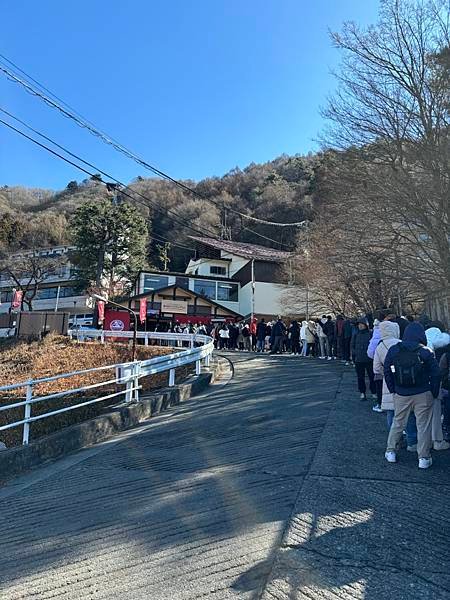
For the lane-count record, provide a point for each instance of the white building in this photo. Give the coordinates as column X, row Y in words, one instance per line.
column 224, row 271
column 252, row 266
column 58, row 292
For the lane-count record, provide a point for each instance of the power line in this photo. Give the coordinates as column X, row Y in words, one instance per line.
column 98, row 170
column 91, row 175
column 82, row 122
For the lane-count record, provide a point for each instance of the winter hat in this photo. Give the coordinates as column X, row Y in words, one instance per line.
column 415, row 332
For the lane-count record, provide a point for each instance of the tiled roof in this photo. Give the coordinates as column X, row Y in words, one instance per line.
column 245, row 250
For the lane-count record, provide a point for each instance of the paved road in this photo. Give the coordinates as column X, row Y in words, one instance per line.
column 273, row 486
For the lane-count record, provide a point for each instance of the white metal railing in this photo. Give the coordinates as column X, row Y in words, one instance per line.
column 126, row 374
column 177, row 339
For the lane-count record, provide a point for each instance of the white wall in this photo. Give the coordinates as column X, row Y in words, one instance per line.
column 237, row 262
column 269, row 298
column 203, row 265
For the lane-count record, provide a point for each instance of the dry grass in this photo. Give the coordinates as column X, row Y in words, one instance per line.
column 21, row 361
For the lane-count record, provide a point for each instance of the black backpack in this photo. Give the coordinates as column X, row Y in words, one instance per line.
column 409, row 368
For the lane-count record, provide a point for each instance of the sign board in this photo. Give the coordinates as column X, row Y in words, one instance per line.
column 116, row 320
column 174, row 306
column 152, row 311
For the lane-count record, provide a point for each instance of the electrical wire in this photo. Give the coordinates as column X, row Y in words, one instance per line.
column 87, row 173
column 82, row 122
column 98, row 170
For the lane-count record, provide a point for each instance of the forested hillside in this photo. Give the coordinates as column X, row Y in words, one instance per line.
column 281, row 190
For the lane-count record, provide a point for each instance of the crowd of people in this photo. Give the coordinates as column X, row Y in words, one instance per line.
column 404, row 364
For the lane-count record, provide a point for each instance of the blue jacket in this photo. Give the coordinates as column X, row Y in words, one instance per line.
column 414, row 335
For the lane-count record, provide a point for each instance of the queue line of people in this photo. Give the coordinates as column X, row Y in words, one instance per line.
column 407, row 366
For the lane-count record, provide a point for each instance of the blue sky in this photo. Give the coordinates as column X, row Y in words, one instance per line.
column 196, row 88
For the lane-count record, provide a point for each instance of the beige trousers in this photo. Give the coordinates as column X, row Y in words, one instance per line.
column 436, row 427
column 422, row 405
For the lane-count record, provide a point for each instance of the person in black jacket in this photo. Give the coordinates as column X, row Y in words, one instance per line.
column 363, row 364
column 294, row 330
column 261, row 332
column 277, row 334
column 330, row 331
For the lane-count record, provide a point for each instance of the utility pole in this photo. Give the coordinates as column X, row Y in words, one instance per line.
column 253, row 293
column 307, row 301
column 225, row 231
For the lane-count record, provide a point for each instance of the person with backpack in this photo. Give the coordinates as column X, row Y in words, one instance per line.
column 363, row 364
column 390, row 336
column 412, row 374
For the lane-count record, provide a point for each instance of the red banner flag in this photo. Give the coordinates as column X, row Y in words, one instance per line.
column 142, row 309
column 101, row 311
column 16, row 302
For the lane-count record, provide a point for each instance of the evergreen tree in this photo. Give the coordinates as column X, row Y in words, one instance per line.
column 111, row 241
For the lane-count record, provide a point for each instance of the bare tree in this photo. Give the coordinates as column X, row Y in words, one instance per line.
column 387, row 181
column 28, row 270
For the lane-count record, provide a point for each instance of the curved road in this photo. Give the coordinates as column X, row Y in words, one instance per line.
column 196, row 502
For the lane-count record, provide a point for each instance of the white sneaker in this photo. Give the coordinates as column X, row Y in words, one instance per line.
column 441, row 445
column 412, row 448
column 330, row 358
column 391, row 456
column 377, row 408
column 425, row 463
column 362, row 397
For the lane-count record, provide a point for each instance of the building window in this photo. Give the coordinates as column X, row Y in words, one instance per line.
column 5, row 297
column 182, row 282
column 218, row 270
column 155, row 282
column 205, row 288
column 68, row 292
column 47, row 293
column 228, row 292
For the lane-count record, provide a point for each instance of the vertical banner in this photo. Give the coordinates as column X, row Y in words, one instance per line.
column 142, row 309
column 101, row 311
column 16, row 301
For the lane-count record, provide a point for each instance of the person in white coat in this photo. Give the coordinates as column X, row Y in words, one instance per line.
column 389, row 336
column 437, row 339
column 307, row 337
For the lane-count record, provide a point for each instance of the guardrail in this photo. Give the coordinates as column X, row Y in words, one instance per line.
column 126, row 374
column 82, row 334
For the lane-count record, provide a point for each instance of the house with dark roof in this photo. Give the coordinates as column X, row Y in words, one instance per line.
column 262, row 273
